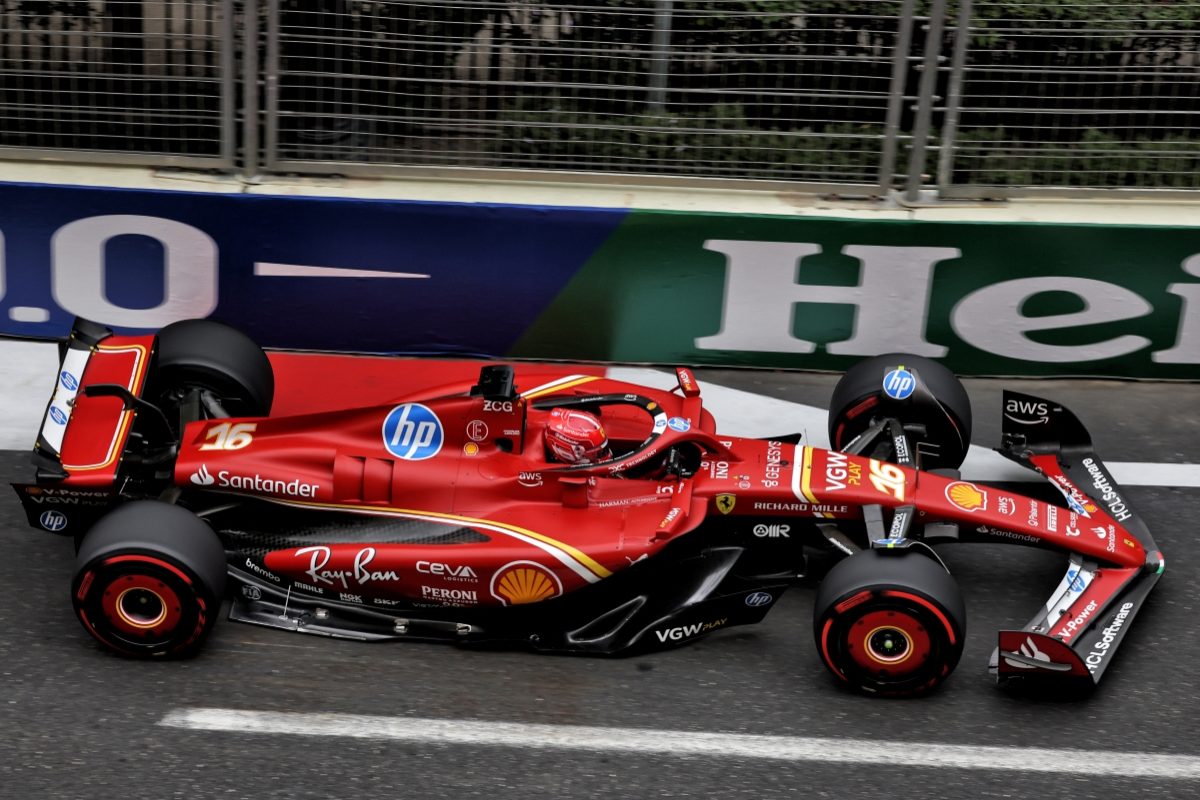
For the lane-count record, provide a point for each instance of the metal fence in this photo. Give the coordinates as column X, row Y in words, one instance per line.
column 1082, row 94
column 938, row 98
column 655, row 88
column 136, row 82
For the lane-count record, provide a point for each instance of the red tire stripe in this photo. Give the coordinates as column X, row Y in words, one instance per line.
column 148, row 560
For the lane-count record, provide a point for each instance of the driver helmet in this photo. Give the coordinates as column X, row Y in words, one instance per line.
column 575, row 437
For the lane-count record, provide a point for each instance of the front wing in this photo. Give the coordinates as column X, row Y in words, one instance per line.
column 1073, row 637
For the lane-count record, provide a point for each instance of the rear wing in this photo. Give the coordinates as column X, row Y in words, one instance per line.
column 82, row 438
column 1074, row 635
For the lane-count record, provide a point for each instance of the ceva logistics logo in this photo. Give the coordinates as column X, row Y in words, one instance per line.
column 412, row 432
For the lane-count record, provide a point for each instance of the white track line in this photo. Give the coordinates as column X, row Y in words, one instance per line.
column 27, row 378
column 640, row 741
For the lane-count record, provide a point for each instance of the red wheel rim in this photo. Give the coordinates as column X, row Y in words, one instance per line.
column 141, row 605
column 888, row 643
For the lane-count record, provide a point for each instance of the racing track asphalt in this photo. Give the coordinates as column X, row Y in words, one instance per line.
column 78, row 723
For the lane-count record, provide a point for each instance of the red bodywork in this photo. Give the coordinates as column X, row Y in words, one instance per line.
column 551, row 528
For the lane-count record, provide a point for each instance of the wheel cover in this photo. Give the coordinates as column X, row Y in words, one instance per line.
column 888, row 641
column 140, row 605
column 890, row 644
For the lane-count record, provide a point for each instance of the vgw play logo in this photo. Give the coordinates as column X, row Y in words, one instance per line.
column 412, row 432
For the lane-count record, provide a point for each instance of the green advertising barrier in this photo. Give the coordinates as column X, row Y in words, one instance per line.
column 985, row 298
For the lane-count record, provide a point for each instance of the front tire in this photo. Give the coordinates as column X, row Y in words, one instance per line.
column 939, row 404
column 889, row 625
column 149, row 581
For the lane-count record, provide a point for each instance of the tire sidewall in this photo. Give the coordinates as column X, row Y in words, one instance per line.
column 863, row 383
column 217, row 357
column 924, row 592
column 167, row 552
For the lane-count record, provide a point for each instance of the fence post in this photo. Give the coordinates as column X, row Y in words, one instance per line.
column 945, row 174
column 891, row 129
column 660, row 56
column 271, row 76
column 250, row 90
column 925, row 98
column 228, row 87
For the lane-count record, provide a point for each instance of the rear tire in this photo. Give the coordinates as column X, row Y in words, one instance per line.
column 200, row 353
column 149, row 581
column 889, row 625
column 859, row 397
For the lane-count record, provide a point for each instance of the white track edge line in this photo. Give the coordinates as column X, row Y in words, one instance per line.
column 689, row 743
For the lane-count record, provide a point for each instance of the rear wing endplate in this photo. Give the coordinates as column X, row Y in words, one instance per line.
column 74, row 354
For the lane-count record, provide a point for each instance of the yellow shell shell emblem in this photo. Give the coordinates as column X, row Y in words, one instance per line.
column 524, row 582
column 966, row 496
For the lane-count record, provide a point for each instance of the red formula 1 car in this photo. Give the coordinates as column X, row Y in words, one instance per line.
column 443, row 516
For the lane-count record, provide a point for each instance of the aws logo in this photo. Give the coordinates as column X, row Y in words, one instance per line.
column 1026, row 412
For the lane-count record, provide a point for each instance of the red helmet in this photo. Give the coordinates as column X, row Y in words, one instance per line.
column 575, row 437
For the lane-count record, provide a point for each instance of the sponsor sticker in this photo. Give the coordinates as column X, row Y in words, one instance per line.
column 477, row 430
column 69, row 381
column 758, row 599
column 450, row 597
column 254, row 483
column 451, row 572
column 688, row 631
column 966, row 496
column 726, row 502
column 360, row 570
column 679, row 424
column 1103, row 645
column 520, row 582
column 899, row 384
column 412, row 432
column 53, row 520
column 1079, row 621
column 1116, row 506
column 58, row 415
column 530, row 480
column 840, row 472
column 1024, row 412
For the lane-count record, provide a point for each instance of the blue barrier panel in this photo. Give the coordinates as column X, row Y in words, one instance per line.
column 290, row 271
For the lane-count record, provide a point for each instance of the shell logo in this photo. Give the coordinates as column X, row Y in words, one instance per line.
column 966, row 496
column 524, row 582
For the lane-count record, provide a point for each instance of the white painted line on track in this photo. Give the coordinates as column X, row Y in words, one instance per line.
column 28, row 369
column 640, row 741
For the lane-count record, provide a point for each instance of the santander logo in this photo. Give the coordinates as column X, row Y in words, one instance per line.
column 201, row 477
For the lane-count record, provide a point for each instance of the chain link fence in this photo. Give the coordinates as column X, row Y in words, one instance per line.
column 973, row 99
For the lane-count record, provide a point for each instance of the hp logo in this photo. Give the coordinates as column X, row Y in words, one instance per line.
column 53, row 520
column 758, row 599
column 899, row 384
column 68, row 381
column 58, row 415
column 412, row 432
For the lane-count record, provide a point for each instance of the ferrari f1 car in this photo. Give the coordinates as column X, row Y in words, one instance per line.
column 442, row 516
